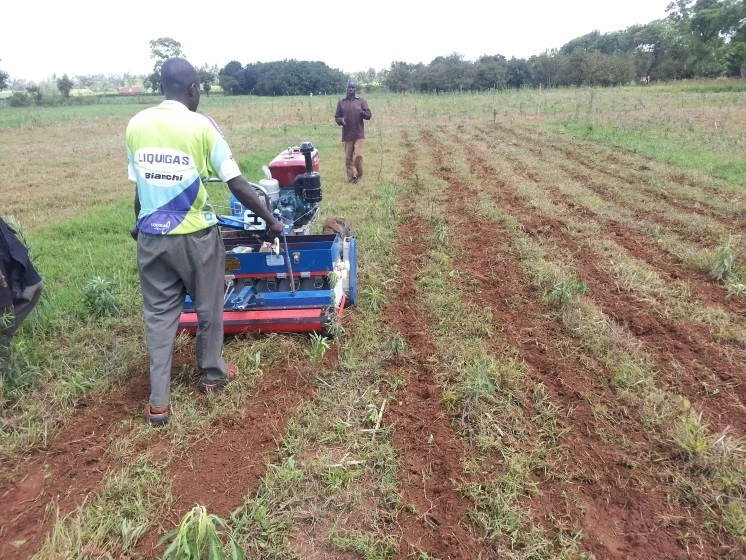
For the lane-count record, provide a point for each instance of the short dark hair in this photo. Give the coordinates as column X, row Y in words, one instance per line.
column 177, row 74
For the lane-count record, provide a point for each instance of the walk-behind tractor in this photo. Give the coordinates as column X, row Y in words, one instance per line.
column 297, row 283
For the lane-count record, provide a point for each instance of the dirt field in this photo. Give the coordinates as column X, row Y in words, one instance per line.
column 540, row 366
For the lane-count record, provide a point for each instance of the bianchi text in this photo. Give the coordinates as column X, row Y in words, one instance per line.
column 163, row 176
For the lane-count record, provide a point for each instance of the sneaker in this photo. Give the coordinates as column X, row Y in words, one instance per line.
column 220, row 384
column 156, row 416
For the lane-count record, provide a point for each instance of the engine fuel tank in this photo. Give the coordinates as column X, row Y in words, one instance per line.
column 291, row 163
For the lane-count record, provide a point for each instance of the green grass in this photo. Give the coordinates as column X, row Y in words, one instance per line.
column 95, row 244
column 199, row 534
column 12, row 117
column 700, row 86
column 686, row 151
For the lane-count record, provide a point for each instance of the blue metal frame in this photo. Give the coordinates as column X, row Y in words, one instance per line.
column 315, row 253
column 353, row 271
column 249, row 299
column 308, row 253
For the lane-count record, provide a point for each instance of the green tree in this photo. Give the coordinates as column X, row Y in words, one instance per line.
column 447, row 73
column 164, row 48
column 734, row 29
column 19, row 99
column 4, row 78
column 549, row 69
column 65, row 85
column 490, row 71
column 161, row 50
column 519, row 73
column 586, row 42
column 737, row 59
column 290, row 77
column 228, row 77
column 247, row 79
column 709, row 33
column 35, row 93
column 371, row 76
column 206, row 79
column 400, row 77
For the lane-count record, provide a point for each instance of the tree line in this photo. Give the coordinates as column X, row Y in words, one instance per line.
column 698, row 38
column 284, row 77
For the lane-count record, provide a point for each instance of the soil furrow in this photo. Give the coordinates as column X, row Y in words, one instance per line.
column 702, row 363
column 608, row 192
column 67, row 472
column 685, row 212
column 686, row 360
column 431, row 451
column 704, row 205
column 220, row 472
column 640, row 245
column 601, row 473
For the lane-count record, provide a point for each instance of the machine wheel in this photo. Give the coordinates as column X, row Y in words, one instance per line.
column 336, row 225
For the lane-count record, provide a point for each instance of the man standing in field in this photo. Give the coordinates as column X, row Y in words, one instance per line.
column 351, row 111
column 20, row 290
column 172, row 151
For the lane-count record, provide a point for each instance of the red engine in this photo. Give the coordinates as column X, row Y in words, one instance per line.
column 291, row 163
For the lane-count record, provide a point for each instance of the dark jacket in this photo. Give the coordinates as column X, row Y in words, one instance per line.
column 15, row 266
column 354, row 111
column 5, row 298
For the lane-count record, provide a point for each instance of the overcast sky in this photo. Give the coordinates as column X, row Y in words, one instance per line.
column 38, row 39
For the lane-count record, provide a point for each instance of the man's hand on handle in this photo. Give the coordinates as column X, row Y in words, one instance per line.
column 276, row 228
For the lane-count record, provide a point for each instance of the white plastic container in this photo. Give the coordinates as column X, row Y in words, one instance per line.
column 272, row 186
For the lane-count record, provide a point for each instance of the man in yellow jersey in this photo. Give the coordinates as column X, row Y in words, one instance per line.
column 172, row 151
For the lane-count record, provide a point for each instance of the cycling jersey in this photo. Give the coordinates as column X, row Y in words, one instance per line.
column 172, row 151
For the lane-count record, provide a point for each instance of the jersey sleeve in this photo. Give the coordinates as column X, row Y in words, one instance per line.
column 131, row 167
column 221, row 161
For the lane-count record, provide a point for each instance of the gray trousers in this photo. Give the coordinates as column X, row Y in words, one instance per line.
column 21, row 307
column 170, row 266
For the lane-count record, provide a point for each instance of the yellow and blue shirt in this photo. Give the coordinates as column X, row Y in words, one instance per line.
column 172, row 151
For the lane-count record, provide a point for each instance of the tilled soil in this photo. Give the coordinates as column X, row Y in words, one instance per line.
column 618, row 504
column 67, row 472
column 613, row 478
